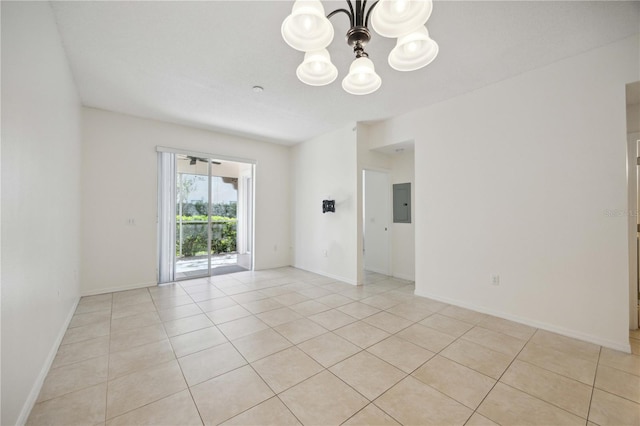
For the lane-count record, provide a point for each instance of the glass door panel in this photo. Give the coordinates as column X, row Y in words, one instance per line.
column 224, row 208
column 192, row 217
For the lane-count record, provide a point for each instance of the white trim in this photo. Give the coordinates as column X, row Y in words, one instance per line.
column 378, row 271
column 633, row 140
column 121, row 288
column 205, row 155
column 166, row 217
column 266, row 268
column 537, row 324
column 324, row 274
column 37, row 386
column 403, row 277
column 251, row 162
column 376, row 169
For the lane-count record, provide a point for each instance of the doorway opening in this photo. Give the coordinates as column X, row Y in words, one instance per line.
column 205, row 216
column 376, row 211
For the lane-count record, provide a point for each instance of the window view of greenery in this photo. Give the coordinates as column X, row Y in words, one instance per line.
column 191, row 216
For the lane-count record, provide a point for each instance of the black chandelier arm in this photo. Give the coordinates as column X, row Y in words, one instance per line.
column 345, row 11
column 353, row 15
column 358, row 16
column 359, row 20
column 366, row 21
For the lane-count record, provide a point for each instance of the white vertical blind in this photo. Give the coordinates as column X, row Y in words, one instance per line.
column 166, row 217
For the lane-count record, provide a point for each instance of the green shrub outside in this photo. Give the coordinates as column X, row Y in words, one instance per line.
column 200, row 208
column 194, row 235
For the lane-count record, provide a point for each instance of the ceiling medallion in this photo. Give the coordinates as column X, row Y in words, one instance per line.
column 308, row 29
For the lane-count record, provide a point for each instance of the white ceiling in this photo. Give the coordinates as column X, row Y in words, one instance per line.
column 195, row 63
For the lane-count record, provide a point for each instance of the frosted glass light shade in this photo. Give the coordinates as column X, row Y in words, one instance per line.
column 317, row 69
column 395, row 18
column 413, row 51
column 307, row 28
column 362, row 78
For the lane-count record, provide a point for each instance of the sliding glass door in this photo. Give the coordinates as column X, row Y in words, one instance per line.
column 193, row 227
column 213, row 208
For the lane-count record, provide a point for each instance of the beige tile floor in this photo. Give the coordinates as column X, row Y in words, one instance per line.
column 285, row 346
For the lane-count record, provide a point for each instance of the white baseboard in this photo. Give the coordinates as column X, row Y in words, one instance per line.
column 114, row 289
column 404, row 277
column 274, row 266
column 37, row 386
column 324, row 274
column 619, row 346
column 377, row 271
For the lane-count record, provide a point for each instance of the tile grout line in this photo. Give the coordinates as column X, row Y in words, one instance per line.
column 193, row 400
column 555, row 372
column 499, row 378
column 524, row 361
column 106, row 394
column 276, row 395
column 533, row 396
column 406, row 375
column 142, row 369
column 323, row 369
column 288, row 409
column 427, row 361
column 251, row 284
column 370, row 402
column 593, row 387
column 252, row 368
column 418, row 367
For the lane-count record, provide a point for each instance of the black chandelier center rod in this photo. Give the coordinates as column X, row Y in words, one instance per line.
column 358, row 35
column 358, row 17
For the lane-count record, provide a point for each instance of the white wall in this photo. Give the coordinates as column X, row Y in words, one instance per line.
column 119, row 181
column 515, row 179
column 326, row 168
column 403, row 253
column 633, row 123
column 40, row 201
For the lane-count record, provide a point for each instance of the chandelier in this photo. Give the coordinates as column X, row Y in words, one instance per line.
column 308, row 29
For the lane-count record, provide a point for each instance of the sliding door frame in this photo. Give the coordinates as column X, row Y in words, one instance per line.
column 251, row 219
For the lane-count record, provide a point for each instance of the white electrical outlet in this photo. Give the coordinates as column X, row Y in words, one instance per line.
column 325, row 253
column 495, row 279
